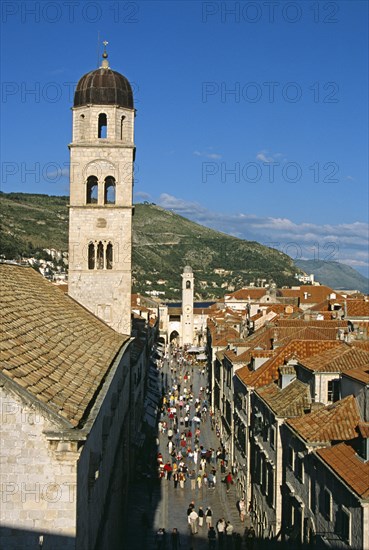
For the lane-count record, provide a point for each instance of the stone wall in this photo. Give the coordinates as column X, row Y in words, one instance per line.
column 38, row 479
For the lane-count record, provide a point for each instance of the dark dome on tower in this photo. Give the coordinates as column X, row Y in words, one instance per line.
column 103, row 87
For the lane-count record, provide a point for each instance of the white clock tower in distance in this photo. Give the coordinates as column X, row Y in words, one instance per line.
column 187, row 306
column 102, row 154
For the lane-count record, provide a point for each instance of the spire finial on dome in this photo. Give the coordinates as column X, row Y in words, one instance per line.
column 105, row 62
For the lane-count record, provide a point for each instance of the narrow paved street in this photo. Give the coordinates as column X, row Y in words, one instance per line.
column 156, row 504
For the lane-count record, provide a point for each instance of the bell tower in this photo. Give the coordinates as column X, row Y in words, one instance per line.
column 102, row 154
column 187, row 306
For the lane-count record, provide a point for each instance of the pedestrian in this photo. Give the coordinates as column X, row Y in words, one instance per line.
column 182, row 479
column 168, row 470
column 229, row 481
column 193, row 521
column 221, row 524
column 199, row 481
column 229, row 534
column 192, row 476
column 175, row 479
column 175, row 539
column 209, row 517
column 242, row 509
column 201, row 516
column 160, row 539
column 212, row 536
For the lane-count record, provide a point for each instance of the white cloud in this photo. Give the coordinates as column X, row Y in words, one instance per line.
column 265, row 156
column 346, row 242
column 142, row 195
column 207, row 155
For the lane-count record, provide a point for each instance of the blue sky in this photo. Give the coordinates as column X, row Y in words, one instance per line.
column 252, row 117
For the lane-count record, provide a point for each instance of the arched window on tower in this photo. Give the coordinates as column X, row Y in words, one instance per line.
column 188, row 284
column 91, row 256
column 121, row 126
column 109, row 190
column 100, row 256
column 109, row 256
column 103, row 126
column 91, row 190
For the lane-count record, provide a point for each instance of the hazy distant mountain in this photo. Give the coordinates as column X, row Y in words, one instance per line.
column 335, row 275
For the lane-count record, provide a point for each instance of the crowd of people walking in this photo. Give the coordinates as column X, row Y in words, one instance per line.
column 184, row 460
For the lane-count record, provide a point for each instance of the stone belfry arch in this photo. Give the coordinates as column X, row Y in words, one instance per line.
column 102, row 155
column 187, row 306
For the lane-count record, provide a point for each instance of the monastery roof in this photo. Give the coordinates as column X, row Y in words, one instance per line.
column 268, row 372
column 293, row 400
column 338, row 359
column 50, row 345
column 348, row 466
column 336, row 422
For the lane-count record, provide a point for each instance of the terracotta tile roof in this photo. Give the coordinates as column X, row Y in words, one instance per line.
column 281, row 308
column 245, row 294
column 50, row 345
column 336, row 422
column 361, row 344
column 357, row 308
column 325, row 305
column 361, row 374
column 311, row 294
column 289, row 292
column 348, row 466
column 334, row 323
column 268, row 372
column 363, row 429
column 293, row 400
column 338, row 359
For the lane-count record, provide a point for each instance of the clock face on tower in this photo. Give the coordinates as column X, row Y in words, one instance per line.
column 188, row 309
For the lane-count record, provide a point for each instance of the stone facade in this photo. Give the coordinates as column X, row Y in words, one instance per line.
column 38, row 478
column 187, row 307
column 100, row 225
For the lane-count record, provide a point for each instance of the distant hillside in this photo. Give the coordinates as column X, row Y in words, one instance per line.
column 163, row 243
column 335, row 275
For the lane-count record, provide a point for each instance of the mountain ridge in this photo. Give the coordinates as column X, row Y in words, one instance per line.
column 163, row 243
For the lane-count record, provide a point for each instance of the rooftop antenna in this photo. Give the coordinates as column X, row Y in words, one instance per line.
column 98, row 49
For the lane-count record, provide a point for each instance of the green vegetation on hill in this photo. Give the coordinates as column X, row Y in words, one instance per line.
column 167, row 242
column 163, row 243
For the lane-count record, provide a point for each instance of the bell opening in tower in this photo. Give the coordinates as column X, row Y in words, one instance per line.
column 103, row 126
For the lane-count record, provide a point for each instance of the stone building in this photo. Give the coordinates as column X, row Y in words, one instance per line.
column 185, row 322
column 187, row 306
column 66, row 390
column 72, row 380
column 102, row 154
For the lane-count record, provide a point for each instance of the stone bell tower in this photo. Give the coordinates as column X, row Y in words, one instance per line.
column 187, row 306
column 102, row 154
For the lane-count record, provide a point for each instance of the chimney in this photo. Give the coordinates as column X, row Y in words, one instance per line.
column 287, row 374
